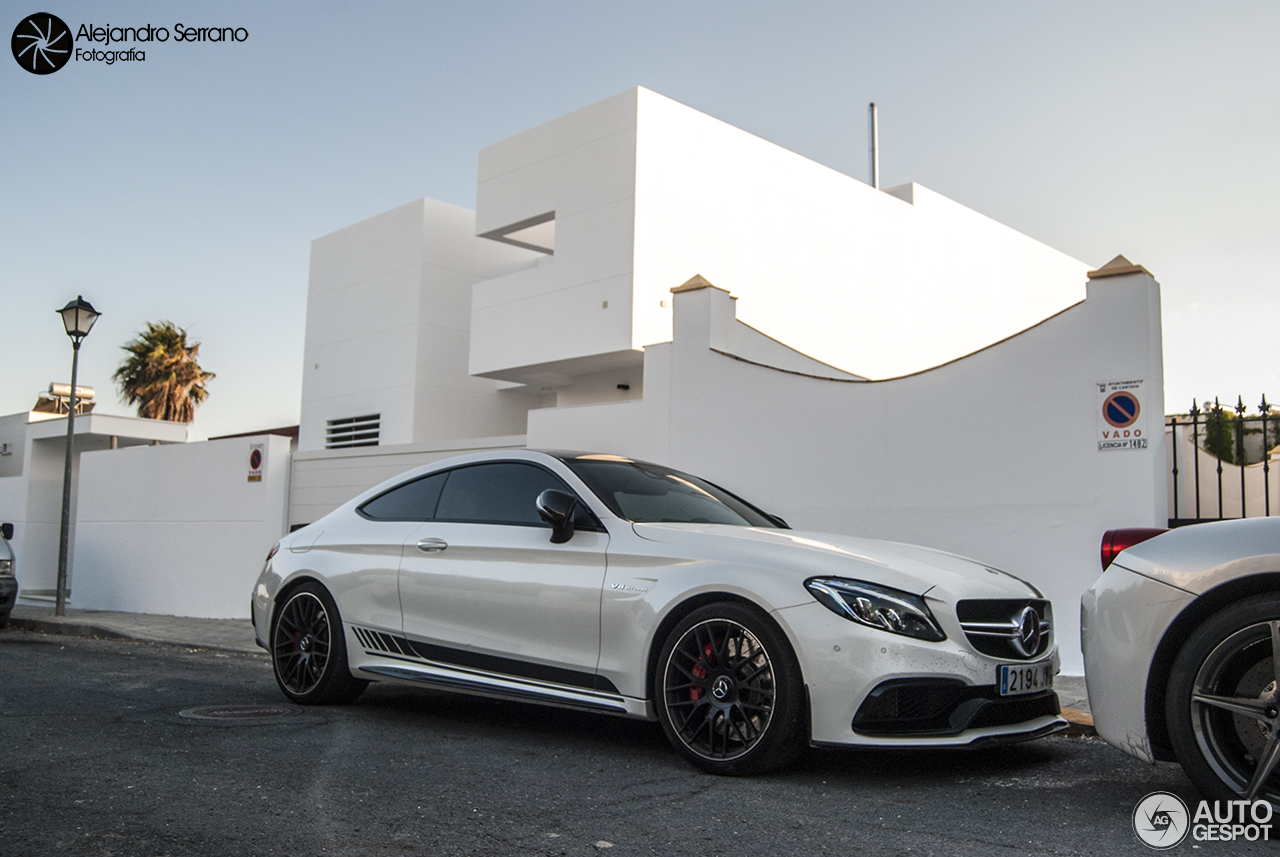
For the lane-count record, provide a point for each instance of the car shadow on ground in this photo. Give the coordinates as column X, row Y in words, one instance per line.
column 1054, row 762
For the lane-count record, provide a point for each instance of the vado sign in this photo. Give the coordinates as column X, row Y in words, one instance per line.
column 255, row 461
column 1121, row 422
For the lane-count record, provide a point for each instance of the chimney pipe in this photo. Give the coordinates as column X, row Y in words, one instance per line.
column 874, row 131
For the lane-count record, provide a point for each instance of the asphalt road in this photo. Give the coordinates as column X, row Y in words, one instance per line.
column 96, row 760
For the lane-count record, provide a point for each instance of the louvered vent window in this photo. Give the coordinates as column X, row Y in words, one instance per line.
column 352, row 431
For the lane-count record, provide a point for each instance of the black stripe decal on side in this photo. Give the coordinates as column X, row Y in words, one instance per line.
column 385, row 642
column 476, row 686
column 512, row 667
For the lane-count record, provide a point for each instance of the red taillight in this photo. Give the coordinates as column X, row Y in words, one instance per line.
column 275, row 547
column 1114, row 541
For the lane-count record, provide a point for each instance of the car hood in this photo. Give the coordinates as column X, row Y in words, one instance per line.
column 910, row 568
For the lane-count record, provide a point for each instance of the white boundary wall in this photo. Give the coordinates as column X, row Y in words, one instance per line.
column 993, row 456
column 178, row 529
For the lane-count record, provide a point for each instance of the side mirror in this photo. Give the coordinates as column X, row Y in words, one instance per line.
column 556, row 508
column 6, row 530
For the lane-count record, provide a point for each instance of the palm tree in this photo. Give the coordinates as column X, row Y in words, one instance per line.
column 161, row 374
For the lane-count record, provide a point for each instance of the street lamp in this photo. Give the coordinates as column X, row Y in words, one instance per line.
column 78, row 318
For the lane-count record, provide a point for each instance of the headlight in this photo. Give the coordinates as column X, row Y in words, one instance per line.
column 877, row 607
column 6, row 568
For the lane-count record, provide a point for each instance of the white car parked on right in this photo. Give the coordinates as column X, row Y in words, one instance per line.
column 1181, row 639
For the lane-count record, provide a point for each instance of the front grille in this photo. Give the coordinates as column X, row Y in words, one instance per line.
column 941, row 707
column 1001, row 627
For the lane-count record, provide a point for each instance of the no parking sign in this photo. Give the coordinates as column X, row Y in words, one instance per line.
column 255, row 461
column 1121, row 422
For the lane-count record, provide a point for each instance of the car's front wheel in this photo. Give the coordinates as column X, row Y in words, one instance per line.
column 1222, row 708
column 728, row 691
column 308, row 651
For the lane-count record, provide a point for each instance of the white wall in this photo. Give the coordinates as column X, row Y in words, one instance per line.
column 31, row 497
column 647, row 192
column 993, row 456
column 177, row 529
column 582, row 166
column 388, row 312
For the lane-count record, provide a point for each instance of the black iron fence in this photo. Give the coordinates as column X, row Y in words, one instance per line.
column 1221, row 462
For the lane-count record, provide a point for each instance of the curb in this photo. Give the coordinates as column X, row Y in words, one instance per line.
column 66, row 629
column 1081, row 724
column 101, row 632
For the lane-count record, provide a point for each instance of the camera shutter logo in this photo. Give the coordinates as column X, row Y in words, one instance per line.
column 1161, row 820
column 42, row 43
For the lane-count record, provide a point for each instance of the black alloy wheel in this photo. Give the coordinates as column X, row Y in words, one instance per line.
column 308, row 652
column 729, row 693
column 1222, row 704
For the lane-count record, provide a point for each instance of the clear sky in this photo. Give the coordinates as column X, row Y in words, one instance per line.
column 189, row 186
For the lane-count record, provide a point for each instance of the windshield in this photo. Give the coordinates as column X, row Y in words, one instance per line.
column 646, row 493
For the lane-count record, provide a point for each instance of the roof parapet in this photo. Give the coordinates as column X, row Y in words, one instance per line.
column 1118, row 266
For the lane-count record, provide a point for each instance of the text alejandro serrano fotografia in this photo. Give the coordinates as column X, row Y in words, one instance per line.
column 146, row 34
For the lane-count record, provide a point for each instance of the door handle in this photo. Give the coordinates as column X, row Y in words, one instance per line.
column 432, row 545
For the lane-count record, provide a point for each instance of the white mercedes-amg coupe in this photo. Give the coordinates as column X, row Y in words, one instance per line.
column 603, row 583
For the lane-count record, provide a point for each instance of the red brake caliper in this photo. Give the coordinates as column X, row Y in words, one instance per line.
column 695, row 693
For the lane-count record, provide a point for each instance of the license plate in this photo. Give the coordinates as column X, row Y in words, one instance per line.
column 1015, row 679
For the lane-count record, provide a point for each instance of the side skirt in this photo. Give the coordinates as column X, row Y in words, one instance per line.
column 397, row 658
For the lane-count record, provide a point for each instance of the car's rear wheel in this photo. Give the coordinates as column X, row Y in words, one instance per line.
column 1222, row 708
column 308, row 650
column 728, row 691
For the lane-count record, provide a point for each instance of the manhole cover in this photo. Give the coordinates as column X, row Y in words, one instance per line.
column 239, row 712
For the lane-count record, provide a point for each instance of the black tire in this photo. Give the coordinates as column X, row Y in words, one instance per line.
column 1221, row 704
column 309, row 651
column 729, row 693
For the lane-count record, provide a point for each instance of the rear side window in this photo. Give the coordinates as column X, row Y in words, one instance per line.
column 412, row 501
column 499, row 493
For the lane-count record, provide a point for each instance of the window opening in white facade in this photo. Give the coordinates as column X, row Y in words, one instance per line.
column 352, row 431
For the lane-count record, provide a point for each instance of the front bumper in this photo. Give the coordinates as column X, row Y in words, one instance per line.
column 8, row 595
column 874, row 689
column 1123, row 618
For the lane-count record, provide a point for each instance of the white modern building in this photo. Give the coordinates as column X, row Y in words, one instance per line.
column 448, row 324
column 640, row 278
column 643, row 279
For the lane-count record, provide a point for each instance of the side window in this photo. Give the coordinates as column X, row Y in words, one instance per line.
column 412, row 501
column 498, row 493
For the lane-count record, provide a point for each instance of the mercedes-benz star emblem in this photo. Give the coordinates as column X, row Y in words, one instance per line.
column 720, row 688
column 1028, row 641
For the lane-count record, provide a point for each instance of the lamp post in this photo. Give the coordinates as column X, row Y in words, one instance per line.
column 78, row 318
